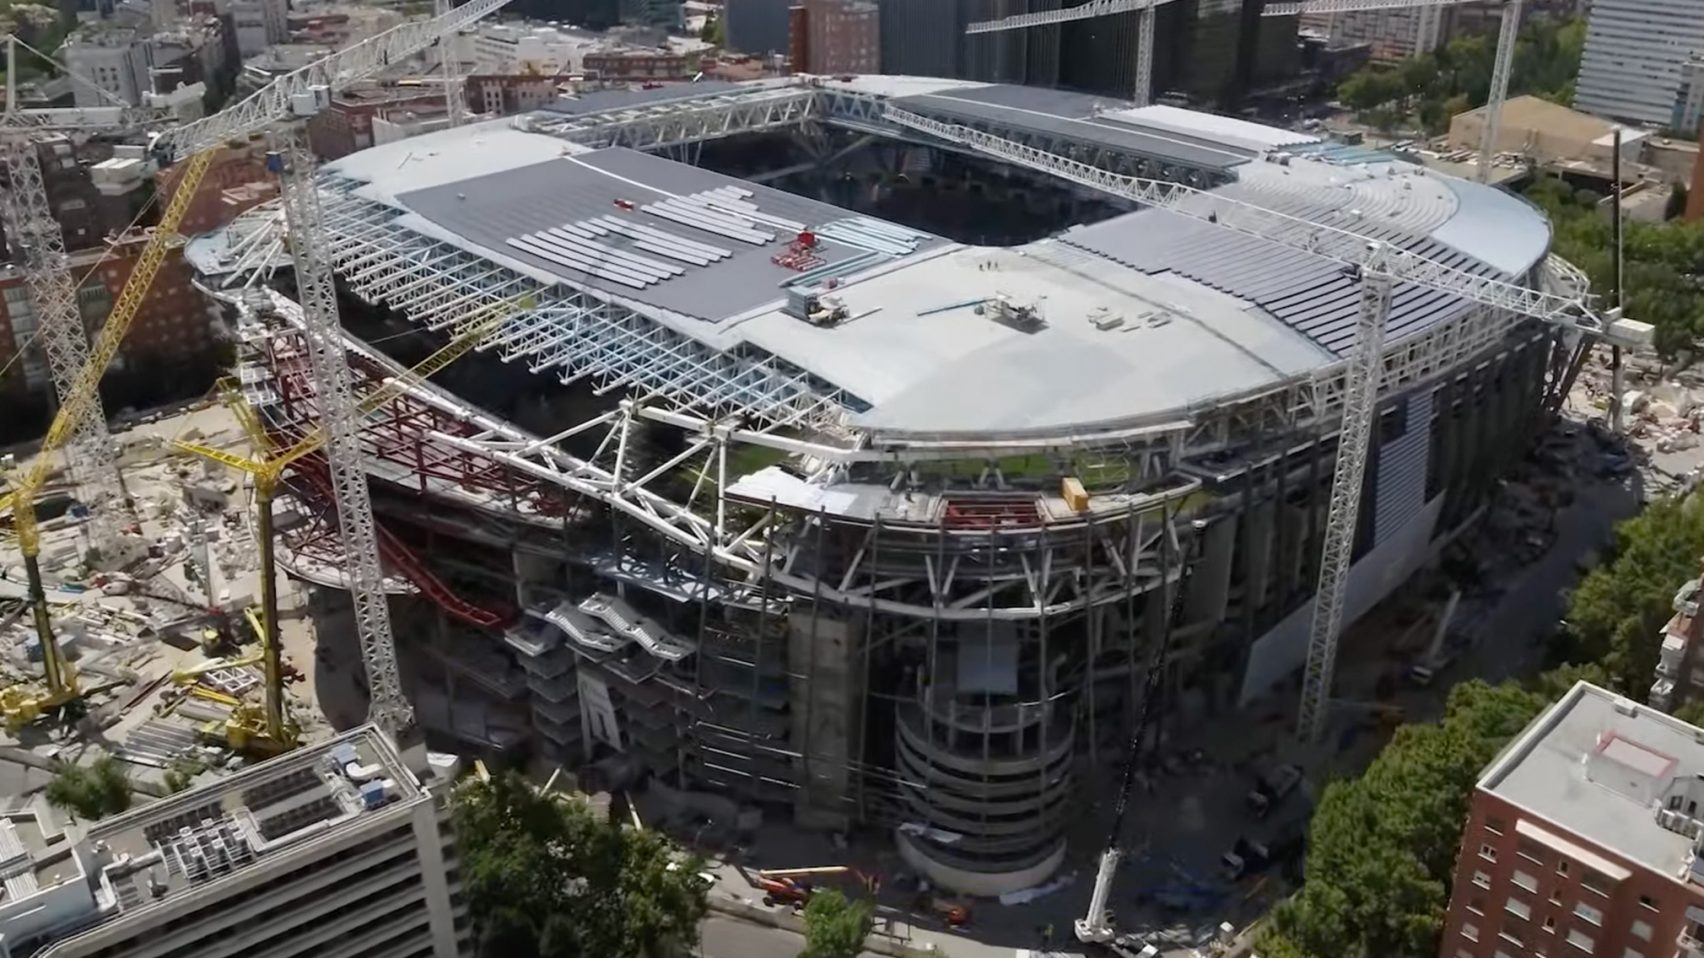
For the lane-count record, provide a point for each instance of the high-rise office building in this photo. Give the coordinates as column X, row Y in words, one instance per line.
column 1634, row 65
column 757, row 26
column 331, row 851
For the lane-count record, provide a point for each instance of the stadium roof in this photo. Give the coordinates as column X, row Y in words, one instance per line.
column 1143, row 316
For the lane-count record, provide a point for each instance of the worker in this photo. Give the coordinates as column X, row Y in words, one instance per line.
column 1047, row 936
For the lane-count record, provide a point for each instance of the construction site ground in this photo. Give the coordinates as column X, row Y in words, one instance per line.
column 126, row 646
column 1548, row 525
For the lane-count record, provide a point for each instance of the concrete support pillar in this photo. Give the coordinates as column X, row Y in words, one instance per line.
column 429, row 846
column 1211, row 581
column 824, row 692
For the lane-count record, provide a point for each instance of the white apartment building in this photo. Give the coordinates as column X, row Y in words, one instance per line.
column 259, row 24
column 509, row 49
column 113, row 58
column 332, row 851
column 1634, row 65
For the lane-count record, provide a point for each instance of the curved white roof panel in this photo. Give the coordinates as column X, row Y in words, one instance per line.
column 1138, row 318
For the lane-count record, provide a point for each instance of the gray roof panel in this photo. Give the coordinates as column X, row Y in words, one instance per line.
column 492, row 211
column 1311, row 295
column 1167, row 147
column 627, row 99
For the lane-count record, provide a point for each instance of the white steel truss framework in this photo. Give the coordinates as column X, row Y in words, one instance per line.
column 582, row 334
column 35, row 235
column 672, row 123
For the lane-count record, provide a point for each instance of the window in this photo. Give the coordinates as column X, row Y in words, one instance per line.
column 1518, row 908
column 1642, row 930
column 1530, row 850
column 1630, row 953
column 1488, row 853
column 1550, row 923
column 1483, row 880
column 1595, row 882
column 1524, row 881
column 1476, row 905
column 1512, row 939
column 1589, row 913
column 1495, row 825
column 1562, row 867
column 1646, row 901
column 1581, row 940
column 1470, row 931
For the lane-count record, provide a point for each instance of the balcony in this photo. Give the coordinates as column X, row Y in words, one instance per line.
column 1689, row 947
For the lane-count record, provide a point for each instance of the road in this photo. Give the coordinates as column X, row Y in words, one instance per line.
column 732, row 938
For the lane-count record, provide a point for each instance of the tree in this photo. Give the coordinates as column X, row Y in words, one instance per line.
column 1382, row 847
column 714, row 33
column 1616, row 614
column 1437, row 85
column 544, row 877
column 92, row 791
column 180, row 774
column 834, row 926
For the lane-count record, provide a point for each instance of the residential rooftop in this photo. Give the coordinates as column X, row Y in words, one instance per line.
column 1619, row 774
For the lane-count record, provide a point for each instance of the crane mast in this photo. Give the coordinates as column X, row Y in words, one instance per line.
column 40, row 247
column 335, row 392
column 1354, row 437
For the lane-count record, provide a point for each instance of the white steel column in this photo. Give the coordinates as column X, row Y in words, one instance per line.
column 40, row 246
column 1506, row 34
column 1144, row 55
column 334, row 391
column 449, row 64
column 1337, row 550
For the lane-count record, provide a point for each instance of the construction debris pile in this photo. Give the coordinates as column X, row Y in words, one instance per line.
column 1663, row 412
column 162, row 642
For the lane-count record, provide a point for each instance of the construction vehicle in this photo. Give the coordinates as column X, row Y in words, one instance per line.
column 293, row 96
column 794, row 886
column 1270, row 790
column 1560, row 301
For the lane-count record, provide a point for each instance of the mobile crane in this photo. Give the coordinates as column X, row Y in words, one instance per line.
column 289, row 98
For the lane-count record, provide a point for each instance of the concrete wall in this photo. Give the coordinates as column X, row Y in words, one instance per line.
column 1283, row 649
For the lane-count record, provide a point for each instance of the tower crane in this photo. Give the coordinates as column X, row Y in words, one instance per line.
column 271, row 730
column 1508, row 29
column 1144, row 10
column 39, row 250
column 1378, row 266
column 289, row 98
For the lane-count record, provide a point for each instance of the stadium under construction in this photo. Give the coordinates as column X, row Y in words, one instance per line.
column 845, row 470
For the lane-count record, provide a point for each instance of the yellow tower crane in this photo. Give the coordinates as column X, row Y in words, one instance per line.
column 271, row 730
column 196, row 143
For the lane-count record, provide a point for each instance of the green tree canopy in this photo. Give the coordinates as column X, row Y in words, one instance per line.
column 1616, row 614
column 834, row 926
column 1381, row 847
column 1663, row 261
column 545, row 877
column 92, row 791
column 1434, row 86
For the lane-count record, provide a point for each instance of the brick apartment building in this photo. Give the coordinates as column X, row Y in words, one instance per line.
column 1582, row 839
column 175, row 326
column 346, row 126
column 508, row 94
column 639, row 65
column 835, row 36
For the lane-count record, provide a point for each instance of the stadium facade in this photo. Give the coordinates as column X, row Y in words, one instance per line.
column 793, row 506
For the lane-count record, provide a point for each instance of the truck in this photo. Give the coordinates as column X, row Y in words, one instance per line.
column 1272, row 789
